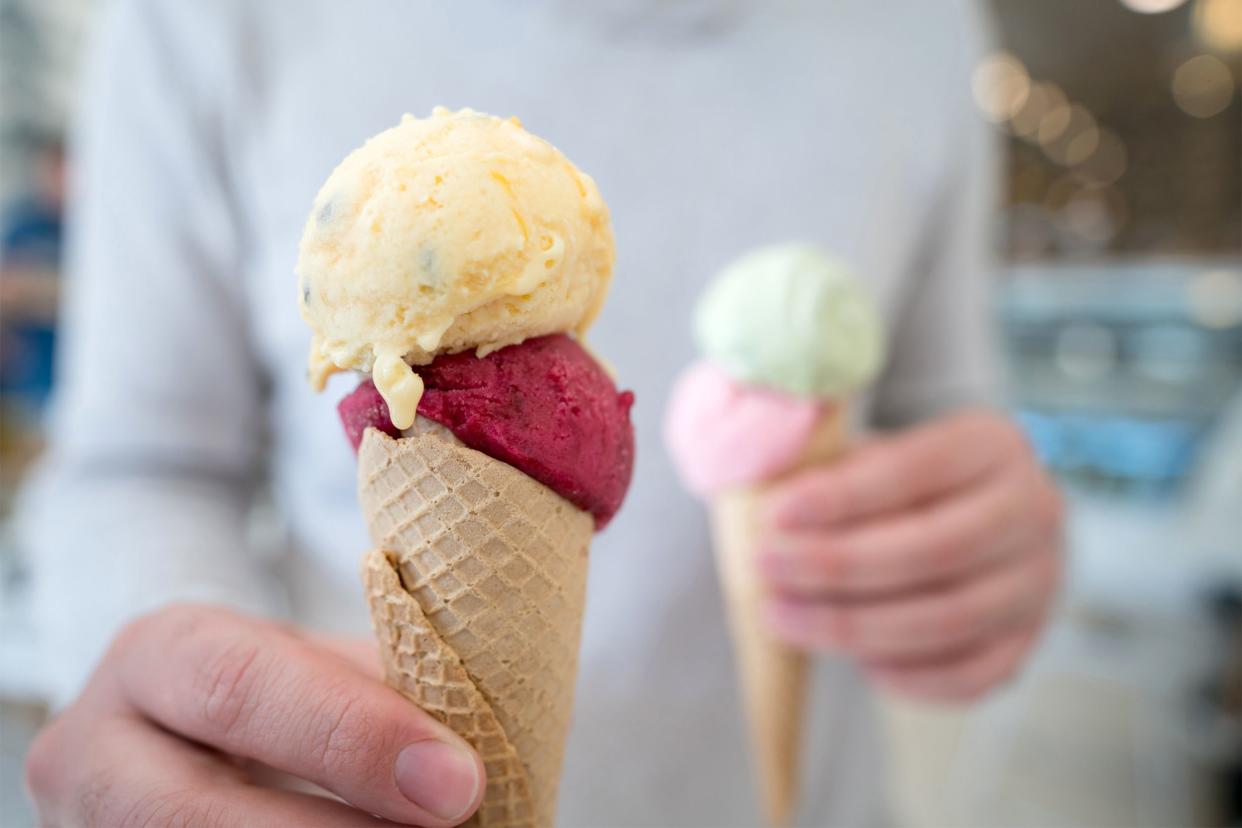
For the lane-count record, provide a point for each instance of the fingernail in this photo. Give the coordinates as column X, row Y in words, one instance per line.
column 441, row 778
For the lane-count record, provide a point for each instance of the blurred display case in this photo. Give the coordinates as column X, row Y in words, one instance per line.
column 1127, row 375
column 1121, row 370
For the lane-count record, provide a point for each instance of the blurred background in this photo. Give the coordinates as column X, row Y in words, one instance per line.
column 1120, row 300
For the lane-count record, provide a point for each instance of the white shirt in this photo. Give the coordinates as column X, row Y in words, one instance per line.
column 711, row 127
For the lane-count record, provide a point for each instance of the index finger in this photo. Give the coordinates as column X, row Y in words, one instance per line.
column 893, row 473
column 248, row 688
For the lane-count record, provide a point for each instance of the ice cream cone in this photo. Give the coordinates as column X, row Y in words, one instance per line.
column 476, row 591
column 773, row 676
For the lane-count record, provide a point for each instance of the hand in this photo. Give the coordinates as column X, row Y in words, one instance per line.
column 931, row 557
column 191, row 702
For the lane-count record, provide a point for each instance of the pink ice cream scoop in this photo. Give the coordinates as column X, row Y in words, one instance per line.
column 787, row 336
column 722, row 433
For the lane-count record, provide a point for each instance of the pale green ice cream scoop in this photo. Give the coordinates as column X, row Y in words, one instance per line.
column 793, row 319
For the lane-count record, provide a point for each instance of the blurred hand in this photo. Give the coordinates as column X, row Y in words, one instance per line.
column 930, row 557
column 193, row 705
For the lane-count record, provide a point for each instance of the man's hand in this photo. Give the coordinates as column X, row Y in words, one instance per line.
column 930, row 557
column 191, row 705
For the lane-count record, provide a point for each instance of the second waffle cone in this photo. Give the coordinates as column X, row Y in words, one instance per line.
column 773, row 675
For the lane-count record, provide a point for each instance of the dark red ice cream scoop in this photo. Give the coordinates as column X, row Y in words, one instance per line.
column 545, row 407
column 363, row 409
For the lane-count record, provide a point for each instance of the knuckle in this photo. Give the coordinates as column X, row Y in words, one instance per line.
column 1000, row 433
column 185, row 620
column 1056, row 570
column 224, row 685
column 982, row 679
column 972, row 690
column 132, row 636
column 344, row 735
column 1045, row 573
column 176, row 808
column 831, row 566
column 813, row 497
column 955, row 620
column 1008, row 503
column 1010, row 671
column 983, row 686
column 1005, row 432
column 945, row 552
column 175, row 621
column 838, row 627
column 838, row 495
column 1053, row 506
column 97, row 800
column 978, row 422
column 45, row 760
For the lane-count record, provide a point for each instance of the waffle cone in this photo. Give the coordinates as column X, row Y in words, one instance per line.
column 773, row 676
column 476, row 590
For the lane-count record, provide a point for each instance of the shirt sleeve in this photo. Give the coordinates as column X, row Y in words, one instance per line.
column 943, row 346
column 156, row 426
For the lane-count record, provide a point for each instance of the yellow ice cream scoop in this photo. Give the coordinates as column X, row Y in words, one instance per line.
column 443, row 234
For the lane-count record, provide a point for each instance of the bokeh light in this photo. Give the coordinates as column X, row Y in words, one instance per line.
column 1094, row 215
column 1052, row 126
column 1060, row 192
column 1082, row 146
column 1214, row 298
column 1203, row 86
column 1218, row 23
column 1042, row 99
column 1086, row 214
column 1108, row 162
column 1001, row 85
column 1151, row 6
column 1076, row 139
